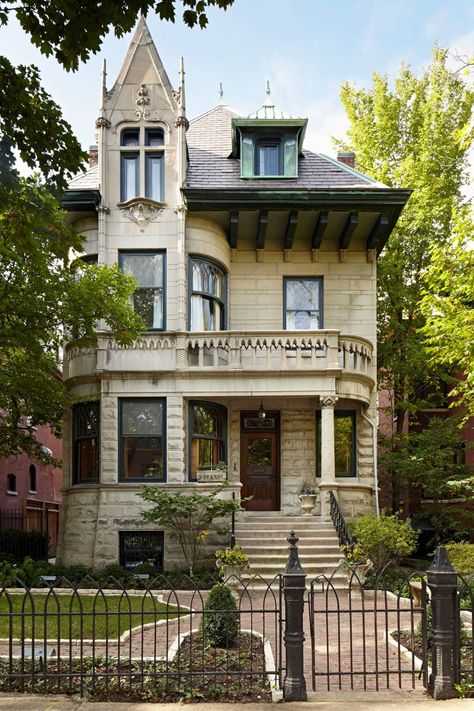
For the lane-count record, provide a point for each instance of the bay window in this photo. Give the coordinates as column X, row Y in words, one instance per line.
column 85, row 442
column 207, row 433
column 148, row 270
column 207, row 295
column 142, row 439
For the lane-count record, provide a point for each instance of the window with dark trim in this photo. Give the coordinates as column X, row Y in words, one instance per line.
column 344, row 443
column 32, row 475
column 141, row 165
column 207, row 280
column 142, row 439
column 137, row 547
column 85, row 442
column 303, row 303
column 11, row 483
column 148, row 270
column 207, row 436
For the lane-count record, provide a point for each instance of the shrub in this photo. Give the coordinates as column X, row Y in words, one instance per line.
column 220, row 622
column 461, row 556
column 17, row 544
column 232, row 557
column 383, row 539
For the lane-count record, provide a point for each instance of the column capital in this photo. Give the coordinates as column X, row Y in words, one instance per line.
column 328, row 400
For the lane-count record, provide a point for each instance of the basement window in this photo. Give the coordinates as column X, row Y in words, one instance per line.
column 138, row 547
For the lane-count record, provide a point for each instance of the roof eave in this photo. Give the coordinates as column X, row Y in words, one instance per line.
column 81, row 200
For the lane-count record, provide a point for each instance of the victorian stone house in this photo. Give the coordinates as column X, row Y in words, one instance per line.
column 256, row 264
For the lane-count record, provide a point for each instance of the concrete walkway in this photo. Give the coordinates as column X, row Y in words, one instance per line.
column 338, row 702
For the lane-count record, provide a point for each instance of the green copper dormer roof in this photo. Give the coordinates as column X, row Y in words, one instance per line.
column 258, row 125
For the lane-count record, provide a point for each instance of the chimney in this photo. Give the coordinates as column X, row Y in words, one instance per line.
column 93, row 156
column 347, row 157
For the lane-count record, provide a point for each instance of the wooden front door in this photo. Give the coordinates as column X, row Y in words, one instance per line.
column 260, row 460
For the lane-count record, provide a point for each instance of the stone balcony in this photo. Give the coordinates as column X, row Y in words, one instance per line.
column 325, row 354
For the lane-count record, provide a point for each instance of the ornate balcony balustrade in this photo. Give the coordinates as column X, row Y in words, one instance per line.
column 284, row 351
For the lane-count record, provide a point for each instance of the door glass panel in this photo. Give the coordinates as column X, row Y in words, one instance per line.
column 259, row 453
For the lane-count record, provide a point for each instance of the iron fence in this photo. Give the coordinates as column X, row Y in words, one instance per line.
column 464, row 635
column 367, row 639
column 29, row 532
column 152, row 643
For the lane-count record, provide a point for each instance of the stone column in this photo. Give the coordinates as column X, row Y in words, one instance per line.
column 328, row 464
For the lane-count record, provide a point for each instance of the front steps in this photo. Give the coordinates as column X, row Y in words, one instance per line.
column 263, row 536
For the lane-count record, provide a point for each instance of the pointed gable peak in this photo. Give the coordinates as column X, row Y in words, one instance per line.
column 142, row 33
column 142, row 64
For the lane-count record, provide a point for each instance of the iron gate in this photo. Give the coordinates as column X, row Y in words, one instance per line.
column 367, row 639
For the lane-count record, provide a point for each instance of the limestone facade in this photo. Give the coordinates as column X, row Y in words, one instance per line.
column 305, row 375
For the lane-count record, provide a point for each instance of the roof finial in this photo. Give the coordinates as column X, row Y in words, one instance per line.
column 267, row 92
column 221, row 91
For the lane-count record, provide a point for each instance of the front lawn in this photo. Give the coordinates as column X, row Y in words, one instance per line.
column 70, row 616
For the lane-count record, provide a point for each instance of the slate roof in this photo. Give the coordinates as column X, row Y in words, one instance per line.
column 86, row 181
column 210, row 144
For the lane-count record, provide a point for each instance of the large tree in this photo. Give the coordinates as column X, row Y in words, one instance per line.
column 41, row 295
column 448, row 306
column 415, row 133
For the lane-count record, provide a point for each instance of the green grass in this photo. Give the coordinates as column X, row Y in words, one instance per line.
column 68, row 617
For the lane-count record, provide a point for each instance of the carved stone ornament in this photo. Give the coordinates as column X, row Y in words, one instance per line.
column 328, row 400
column 102, row 122
column 182, row 121
column 142, row 101
column 176, row 94
column 141, row 211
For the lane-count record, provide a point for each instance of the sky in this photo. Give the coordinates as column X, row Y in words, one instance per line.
column 305, row 48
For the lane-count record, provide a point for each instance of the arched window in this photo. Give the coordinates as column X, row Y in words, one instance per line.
column 11, row 483
column 32, row 477
column 208, row 288
column 207, row 436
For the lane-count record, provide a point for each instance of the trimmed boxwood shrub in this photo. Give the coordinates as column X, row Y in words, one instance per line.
column 220, row 621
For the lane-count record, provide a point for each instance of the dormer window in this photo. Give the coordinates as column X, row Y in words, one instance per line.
column 269, row 155
column 268, row 147
column 141, row 164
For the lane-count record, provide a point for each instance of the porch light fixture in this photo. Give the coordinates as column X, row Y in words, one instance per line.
column 261, row 411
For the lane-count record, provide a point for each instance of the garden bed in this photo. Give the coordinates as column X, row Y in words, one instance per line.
column 196, row 672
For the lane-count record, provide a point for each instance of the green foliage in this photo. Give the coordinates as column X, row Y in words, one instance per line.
column 232, row 557
column 448, row 306
column 220, row 621
column 72, row 32
column 413, row 133
column 461, row 556
column 42, row 299
column 188, row 517
column 383, row 539
column 354, row 553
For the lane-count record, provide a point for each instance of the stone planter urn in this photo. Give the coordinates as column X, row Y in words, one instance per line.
column 308, row 502
column 356, row 573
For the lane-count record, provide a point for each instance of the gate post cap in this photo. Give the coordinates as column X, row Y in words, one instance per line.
column 293, row 565
column 441, row 562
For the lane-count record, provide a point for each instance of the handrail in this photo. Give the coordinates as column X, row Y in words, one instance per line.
column 346, row 538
